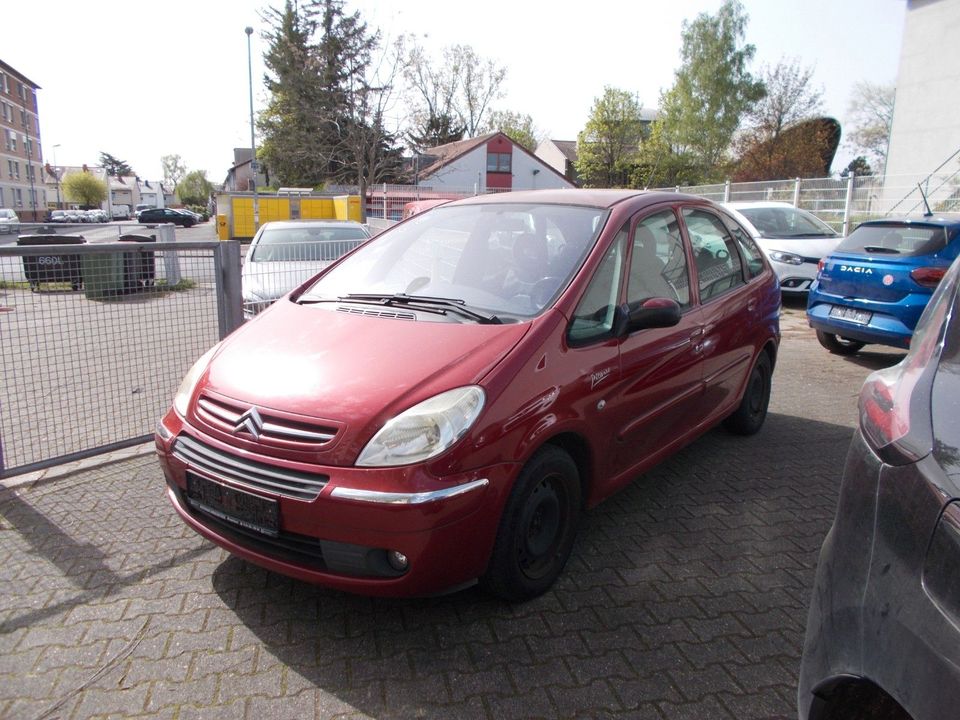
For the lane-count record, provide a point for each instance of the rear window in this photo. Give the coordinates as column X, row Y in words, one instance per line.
column 895, row 239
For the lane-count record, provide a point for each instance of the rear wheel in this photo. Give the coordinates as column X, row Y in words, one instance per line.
column 748, row 418
column 839, row 345
column 537, row 529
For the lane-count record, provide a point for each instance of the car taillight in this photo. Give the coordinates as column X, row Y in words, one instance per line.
column 886, row 415
column 823, row 261
column 928, row 277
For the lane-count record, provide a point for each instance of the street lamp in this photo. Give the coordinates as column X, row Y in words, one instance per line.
column 254, row 167
column 56, row 174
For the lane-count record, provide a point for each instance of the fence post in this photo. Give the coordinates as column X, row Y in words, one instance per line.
column 229, row 293
column 796, row 192
column 384, row 201
column 846, row 205
column 171, row 261
column 726, row 191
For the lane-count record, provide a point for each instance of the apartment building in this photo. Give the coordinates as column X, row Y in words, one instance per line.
column 21, row 161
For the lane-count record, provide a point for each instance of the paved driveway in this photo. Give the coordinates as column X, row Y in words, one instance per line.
column 685, row 597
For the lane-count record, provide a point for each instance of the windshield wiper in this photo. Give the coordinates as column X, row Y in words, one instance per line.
column 881, row 250
column 423, row 302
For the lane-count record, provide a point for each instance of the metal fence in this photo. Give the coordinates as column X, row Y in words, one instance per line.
column 841, row 202
column 845, row 202
column 95, row 339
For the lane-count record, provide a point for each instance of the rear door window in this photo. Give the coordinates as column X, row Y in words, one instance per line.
column 715, row 253
column 906, row 240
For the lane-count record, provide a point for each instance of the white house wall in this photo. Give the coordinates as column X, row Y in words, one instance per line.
column 525, row 179
column 926, row 124
column 470, row 171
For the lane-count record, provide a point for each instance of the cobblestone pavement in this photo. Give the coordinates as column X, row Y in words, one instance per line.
column 685, row 597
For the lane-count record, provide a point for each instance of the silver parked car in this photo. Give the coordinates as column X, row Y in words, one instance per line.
column 883, row 634
column 285, row 254
column 793, row 239
column 9, row 221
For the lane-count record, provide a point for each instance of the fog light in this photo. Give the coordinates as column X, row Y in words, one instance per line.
column 398, row 561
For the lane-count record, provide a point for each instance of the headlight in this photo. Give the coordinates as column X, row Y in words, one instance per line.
column 181, row 401
column 785, row 257
column 425, row 430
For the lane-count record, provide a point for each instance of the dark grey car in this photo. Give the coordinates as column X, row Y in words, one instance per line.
column 883, row 634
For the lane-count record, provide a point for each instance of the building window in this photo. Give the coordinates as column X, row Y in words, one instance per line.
column 11, row 140
column 499, row 162
column 31, row 173
column 3, row 83
column 18, row 197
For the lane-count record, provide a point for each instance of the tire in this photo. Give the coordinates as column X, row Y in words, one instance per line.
column 748, row 418
column 537, row 528
column 839, row 345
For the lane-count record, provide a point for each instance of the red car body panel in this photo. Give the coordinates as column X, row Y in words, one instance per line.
column 617, row 406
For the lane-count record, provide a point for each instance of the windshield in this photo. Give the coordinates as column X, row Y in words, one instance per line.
column 895, row 238
column 786, row 222
column 505, row 259
column 318, row 243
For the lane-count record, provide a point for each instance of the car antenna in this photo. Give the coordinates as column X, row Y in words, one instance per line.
column 929, row 212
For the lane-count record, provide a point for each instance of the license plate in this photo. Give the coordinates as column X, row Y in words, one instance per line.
column 861, row 317
column 247, row 510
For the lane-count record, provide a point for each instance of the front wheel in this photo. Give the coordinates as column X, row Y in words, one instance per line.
column 839, row 345
column 537, row 529
column 748, row 418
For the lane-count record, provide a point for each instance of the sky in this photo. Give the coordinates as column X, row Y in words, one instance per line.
column 140, row 81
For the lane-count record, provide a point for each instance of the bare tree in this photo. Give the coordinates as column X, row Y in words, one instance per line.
column 461, row 86
column 790, row 97
column 870, row 118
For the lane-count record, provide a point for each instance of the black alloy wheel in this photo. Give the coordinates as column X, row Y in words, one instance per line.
column 538, row 527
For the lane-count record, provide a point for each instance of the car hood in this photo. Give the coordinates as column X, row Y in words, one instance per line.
column 271, row 280
column 811, row 249
column 354, row 371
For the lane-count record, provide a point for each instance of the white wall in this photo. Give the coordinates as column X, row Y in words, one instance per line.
column 926, row 123
column 551, row 155
column 524, row 178
column 467, row 171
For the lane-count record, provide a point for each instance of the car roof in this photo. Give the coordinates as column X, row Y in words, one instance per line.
column 938, row 221
column 313, row 223
column 567, row 196
column 760, row 204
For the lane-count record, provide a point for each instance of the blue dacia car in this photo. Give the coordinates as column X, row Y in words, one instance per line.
column 875, row 285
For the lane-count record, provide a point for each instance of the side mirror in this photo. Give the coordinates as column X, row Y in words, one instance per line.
column 649, row 313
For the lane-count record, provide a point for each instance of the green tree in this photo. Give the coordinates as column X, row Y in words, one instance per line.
column 516, row 126
column 115, row 167
column 712, row 89
column 194, row 188
column 173, row 169
column 294, row 143
column 435, row 130
column 859, row 166
column 84, row 189
column 608, row 147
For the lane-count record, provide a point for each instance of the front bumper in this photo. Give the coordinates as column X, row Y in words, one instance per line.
column 341, row 536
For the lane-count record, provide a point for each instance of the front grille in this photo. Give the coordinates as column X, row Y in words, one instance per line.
column 228, row 417
column 249, row 473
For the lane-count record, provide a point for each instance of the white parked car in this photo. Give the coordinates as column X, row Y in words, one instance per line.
column 793, row 239
column 9, row 222
column 285, row 254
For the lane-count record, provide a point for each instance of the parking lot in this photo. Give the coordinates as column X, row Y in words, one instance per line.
column 685, row 596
